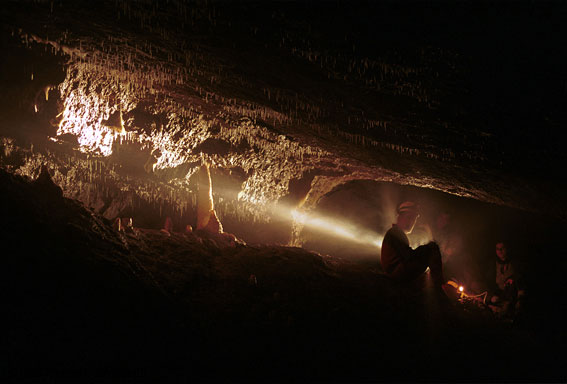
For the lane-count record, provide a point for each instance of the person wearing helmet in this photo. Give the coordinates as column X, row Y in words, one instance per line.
column 399, row 260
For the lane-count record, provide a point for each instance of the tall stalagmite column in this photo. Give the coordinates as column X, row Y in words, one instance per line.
column 206, row 216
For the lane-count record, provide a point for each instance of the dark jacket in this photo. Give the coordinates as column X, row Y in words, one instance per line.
column 500, row 272
column 396, row 250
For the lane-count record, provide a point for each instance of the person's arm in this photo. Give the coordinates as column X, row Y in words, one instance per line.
column 394, row 251
column 429, row 247
column 404, row 251
column 490, row 279
column 519, row 278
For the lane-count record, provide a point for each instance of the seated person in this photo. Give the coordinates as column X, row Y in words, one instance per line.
column 399, row 260
column 507, row 291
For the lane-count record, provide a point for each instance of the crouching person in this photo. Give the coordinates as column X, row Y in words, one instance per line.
column 400, row 261
column 507, row 289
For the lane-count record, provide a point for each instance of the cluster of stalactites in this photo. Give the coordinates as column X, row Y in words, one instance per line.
column 89, row 100
column 109, row 80
column 271, row 160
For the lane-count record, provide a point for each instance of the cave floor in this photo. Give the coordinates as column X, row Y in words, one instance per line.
column 85, row 302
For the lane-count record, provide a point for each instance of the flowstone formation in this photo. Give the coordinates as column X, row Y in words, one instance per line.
column 283, row 110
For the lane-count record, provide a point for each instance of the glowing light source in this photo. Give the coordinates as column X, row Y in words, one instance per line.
column 461, row 289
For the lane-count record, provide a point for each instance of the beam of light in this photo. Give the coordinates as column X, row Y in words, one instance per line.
column 340, row 229
column 334, row 227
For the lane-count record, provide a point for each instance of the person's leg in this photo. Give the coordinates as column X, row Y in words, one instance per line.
column 430, row 256
column 511, row 297
column 411, row 269
column 436, row 265
column 423, row 257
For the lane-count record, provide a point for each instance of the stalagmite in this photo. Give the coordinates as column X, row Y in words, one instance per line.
column 206, row 216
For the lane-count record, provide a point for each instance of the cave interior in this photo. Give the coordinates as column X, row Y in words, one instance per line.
column 302, row 125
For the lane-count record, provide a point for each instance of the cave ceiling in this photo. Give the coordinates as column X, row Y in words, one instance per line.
column 285, row 100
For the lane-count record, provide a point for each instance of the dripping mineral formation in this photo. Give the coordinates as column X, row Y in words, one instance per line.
column 250, row 156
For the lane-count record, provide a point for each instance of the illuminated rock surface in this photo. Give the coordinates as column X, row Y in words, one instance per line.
column 276, row 95
column 305, row 114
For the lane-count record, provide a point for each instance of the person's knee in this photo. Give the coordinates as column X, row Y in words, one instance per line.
column 434, row 254
column 433, row 249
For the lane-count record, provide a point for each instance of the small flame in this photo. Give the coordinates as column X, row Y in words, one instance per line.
column 461, row 288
